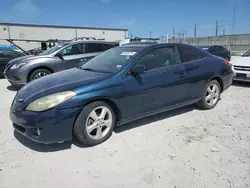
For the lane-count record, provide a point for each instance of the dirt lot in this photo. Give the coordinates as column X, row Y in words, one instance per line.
column 183, row 148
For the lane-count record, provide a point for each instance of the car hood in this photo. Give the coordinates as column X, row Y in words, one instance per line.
column 25, row 59
column 241, row 61
column 58, row 82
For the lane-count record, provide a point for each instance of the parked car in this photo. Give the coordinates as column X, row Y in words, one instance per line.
column 123, row 84
column 63, row 56
column 241, row 66
column 6, row 56
column 218, row 51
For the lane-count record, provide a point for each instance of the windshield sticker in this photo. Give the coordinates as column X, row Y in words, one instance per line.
column 128, row 53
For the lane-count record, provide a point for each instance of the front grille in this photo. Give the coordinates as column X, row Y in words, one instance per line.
column 242, row 68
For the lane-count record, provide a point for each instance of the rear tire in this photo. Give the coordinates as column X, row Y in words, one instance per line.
column 210, row 96
column 94, row 124
column 38, row 74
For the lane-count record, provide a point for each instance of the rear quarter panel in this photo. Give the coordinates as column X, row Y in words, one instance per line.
column 199, row 73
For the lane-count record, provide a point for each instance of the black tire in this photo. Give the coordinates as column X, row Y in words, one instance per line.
column 80, row 127
column 34, row 74
column 203, row 104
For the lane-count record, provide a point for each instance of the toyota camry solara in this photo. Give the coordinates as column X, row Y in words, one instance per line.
column 123, row 84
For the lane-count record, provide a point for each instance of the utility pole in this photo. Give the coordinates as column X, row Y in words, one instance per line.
column 224, row 31
column 181, row 34
column 173, row 32
column 195, row 30
column 150, row 34
column 216, row 28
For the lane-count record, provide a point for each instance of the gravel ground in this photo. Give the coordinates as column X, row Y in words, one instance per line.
column 182, row 148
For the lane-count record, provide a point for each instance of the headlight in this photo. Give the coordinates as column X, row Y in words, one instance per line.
column 16, row 66
column 50, row 101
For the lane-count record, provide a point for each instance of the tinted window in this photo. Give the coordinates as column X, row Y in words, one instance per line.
column 221, row 49
column 188, row 55
column 161, row 57
column 94, row 47
column 73, row 49
column 10, row 54
column 213, row 49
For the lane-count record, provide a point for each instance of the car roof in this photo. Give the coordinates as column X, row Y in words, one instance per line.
column 92, row 41
column 139, row 44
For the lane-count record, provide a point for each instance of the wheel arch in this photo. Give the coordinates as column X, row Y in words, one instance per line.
column 36, row 68
column 219, row 80
column 110, row 102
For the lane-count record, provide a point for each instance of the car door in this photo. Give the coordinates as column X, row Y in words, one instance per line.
column 93, row 49
column 73, row 56
column 196, row 65
column 164, row 82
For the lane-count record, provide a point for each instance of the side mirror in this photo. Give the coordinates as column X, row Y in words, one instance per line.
column 60, row 55
column 241, row 54
column 137, row 69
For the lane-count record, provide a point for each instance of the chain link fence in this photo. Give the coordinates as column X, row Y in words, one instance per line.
column 235, row 43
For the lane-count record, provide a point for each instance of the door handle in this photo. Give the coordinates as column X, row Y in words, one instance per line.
column 181, row 73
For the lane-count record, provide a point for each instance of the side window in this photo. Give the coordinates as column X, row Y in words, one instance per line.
column 10, row 54
column 161, row 57
column 93, row 47
column 188, row 55
column 221, row 49
column 213, row 49
column 73, row 49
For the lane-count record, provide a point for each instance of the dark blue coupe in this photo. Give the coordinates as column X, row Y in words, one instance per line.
column 118, row 86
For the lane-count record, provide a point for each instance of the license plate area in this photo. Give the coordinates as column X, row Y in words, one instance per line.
column 239, row 75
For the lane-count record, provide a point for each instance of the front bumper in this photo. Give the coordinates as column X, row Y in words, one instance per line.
column 16, row 76
column 243, row 76
column 51, row 126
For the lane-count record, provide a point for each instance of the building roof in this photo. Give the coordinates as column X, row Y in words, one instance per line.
column 59, row 26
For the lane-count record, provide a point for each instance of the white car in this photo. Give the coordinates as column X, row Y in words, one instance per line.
column 241, row 67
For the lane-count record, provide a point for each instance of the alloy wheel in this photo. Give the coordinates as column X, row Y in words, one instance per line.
column 40, row 74
column 99, row 123
column 212, row 94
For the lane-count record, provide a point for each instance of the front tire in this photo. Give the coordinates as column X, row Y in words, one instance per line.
column 95, row 123
column 211, row 95
column 38, row 74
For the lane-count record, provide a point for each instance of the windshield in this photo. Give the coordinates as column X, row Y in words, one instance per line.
column 246, row 54
column 53, row 49
column 111, row 61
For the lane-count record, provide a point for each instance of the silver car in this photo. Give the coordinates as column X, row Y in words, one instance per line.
column 64, row 56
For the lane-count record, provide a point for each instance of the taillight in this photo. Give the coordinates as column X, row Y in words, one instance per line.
column 228, row 63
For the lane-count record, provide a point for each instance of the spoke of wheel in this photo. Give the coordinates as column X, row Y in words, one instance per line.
column 98, row 133
column 209, row 89
column 93, row 115
column 213, row 89
column 90, row 128
column 208, row 97
column 108, row 122
column 103, row 113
